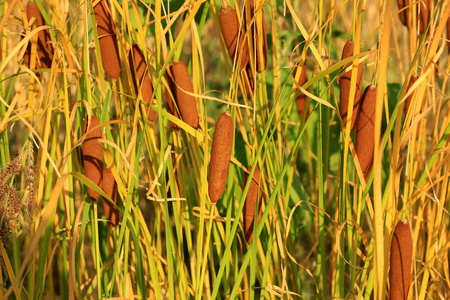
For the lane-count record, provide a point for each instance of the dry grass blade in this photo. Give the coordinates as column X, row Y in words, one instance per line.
column 345, row 86
column 222, row 147
column 92, row 154
column 401, row 258
column 261, row 62
column 107, row 39
column 141, row 78
column 408, row 100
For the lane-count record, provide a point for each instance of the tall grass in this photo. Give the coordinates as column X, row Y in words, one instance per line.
column 326, row 226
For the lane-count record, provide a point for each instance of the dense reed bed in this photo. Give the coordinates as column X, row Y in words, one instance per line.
column 224, row 149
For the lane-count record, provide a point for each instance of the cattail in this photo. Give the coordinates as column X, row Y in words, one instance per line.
column 345, row 86
column 249, row 80
column 254, row 195
column 424, row 15
column 261, row 63
column 301, row 98
column 408, row 100
column 92, row 154
column 110, row 188
column 44, row 46
column 222, row 146
column 402, row 4
column 141, row 78
column 180, row 83
column 107, row 39
column 401, row 259
column 365, row 130
column 229, row 23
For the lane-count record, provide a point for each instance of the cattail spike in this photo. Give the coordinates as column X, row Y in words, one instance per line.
column 301, row 98
column 92, row 154
column 222, row 147
column 365, row 131
column 345, row 86
column 110, row 188
column 401, row 259
column 254, row 195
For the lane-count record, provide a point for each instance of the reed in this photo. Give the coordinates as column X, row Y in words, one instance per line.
column 345, row 86
column 401, row 259
column 231, row 32
column 222, row 146
column 107, row 39
column 365, row 130
column 258, row 34
column 110, row 188
column 180, row 84
column 141, row 79
column 254, row 195
column 44, row 46
column 92, row 154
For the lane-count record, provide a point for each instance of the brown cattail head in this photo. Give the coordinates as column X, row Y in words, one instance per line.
column 402, row 4
column 107, row 39
column 401, row 259
column 424, row 15
column 141, row 78
column 222, row 145
column 44, row 46
column 258, row 33
column 254, row 195
column 249, row 80
column 408, row 100
column 229, row 23
column 365, row 130
column 345, row 86
column 92, row 154
column 110, row 188
column 301, row 98
column 180, row 83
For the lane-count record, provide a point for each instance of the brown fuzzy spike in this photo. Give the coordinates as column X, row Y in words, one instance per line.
column 301, row 98
column 141, row 78
column 92, row 155
column 401, row 259
column 424, row 15
column 402, row 4
column 107, row 39
column 408, row 100
column 345, row 86
column 254, row 194
column 365, row 131
column 186, row 103
column 230, row 29
column 222, row 147
column 110, row 188
column 44, row 46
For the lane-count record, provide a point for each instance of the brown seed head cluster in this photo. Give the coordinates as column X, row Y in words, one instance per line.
column 301, row 98
column 107, row 39
column 365, row 130
column 141, row 78
column 423, row 10
column 408, row 100
column 254, row 196
column 44, row 46
column 222, row 147
column 345, row 86
column 110, row 188
column 230, row 25
column 180, row 83
column 92, row 154
column 401, row 259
